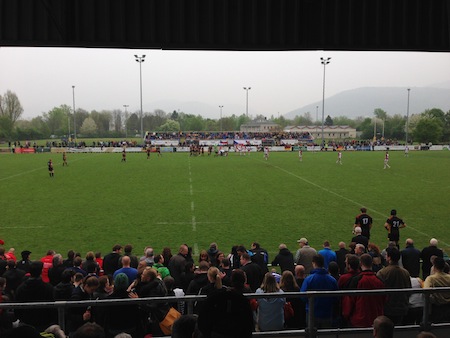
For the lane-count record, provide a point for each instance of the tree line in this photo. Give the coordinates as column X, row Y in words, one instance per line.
column 432, row 125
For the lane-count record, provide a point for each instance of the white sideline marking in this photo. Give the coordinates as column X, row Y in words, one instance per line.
column 32, row 227
column 343, row 197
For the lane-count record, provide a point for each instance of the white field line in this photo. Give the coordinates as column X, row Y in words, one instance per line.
column 343, row 197
column 36, row 169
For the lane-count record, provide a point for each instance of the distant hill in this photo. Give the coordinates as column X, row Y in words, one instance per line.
column 393, row 100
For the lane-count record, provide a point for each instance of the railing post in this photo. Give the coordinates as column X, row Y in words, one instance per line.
column 426, row 325
column 62, row 317
column 311, row 330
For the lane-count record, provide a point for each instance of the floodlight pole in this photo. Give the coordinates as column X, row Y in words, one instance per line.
column 247, row 89
column 126, row 119
column 141, row 59
column 324, row 61
column 407, row 118
column 74, row 122
column 220, row 118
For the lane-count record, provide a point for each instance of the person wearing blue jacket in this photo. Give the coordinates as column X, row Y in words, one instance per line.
column 319, row 279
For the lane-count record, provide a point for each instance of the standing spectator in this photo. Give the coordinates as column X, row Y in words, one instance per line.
column 55, row 272
column 34, row 289
column 328, row 254
column 352, row 268
column 431, row 250
column 200, row 279
column 68, row 263
column 440, row 302
column 47, row 262
column 176, row 265
column 359, row 238
column 227, row 313
column 63, row 290
column 24, row 263
column 300, row 275
column 416, row 303
column 320, row 280
column 163, row 271
column 148, row 257
column 364, row 221
column 411, row 258
column 111, row 260
column 83, row 314
column 393, row 225
column 360, row 311
column 378, row 261
column 134, row 261
column 305, row 255
column 340, row 257
column 360, row 249
column 260, row 256
column 395, row 277
column 99, row 260
column 270, row 314
column 252, row 270
column 212, row 252
column 130, row 272
column 284, row 259
column 90, row 264
column 13, row 278
column 167, row 254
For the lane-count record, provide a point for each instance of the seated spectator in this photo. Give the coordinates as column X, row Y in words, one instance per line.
column 55, row 272
column 89, row 330
column 440, row 302
column 270, row 313
column 63, row 290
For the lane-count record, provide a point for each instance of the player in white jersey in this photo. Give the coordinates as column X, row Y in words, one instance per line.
column 266, row 153
column 300, row 154
column 339, row 159
column 406, row 151
column 386, row 160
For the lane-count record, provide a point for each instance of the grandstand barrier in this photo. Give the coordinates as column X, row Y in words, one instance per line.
column 309, row 332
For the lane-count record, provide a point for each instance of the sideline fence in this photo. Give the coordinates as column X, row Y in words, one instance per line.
column 311, row 331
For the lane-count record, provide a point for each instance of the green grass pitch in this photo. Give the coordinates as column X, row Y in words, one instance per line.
column 98, row 201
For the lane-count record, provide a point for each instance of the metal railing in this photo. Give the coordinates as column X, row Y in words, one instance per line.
column 310, row 331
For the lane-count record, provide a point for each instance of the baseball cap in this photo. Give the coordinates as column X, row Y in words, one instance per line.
column 302, row 240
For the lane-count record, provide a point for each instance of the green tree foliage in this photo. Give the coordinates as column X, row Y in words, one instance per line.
column 428, row 130
column 169, row 125
column 380, row 114
column 89, row 127
column 57, row 120
column 10, row 106
column 328, row 121
column 6, row 128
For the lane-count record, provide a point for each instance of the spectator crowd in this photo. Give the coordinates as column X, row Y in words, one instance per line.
column 224, row 277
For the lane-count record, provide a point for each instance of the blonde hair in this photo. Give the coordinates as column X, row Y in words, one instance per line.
column 214, row 277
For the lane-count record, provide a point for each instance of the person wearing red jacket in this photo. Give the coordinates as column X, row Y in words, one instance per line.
column 48, row 263
column 360, row 311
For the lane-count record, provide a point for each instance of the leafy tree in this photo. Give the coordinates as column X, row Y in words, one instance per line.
column 57, row 120
column 6, row 128
column 303, row 120
column 134, row 124
column 10, row 106
column 344, row 121
column 102, row 120
column 380, row 114
column 396, row 127
column 229, row 123
column 89, row 127
column 366, row 128
column 428, row 130
column 169, row 125
column 328, row 121
column 116, row 117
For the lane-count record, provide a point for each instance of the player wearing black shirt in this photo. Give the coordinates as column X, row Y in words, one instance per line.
column 50, row 168
column 364, row 221
column 393, row 225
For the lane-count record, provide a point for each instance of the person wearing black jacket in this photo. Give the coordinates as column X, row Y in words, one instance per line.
column 285, row 259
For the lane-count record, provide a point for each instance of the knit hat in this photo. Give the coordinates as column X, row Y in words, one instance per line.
column 121, row 281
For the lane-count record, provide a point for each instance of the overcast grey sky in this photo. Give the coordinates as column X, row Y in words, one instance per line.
column 107, row 79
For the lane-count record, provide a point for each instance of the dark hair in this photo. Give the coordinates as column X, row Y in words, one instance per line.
column 318, row 260
column 158, row 258
column 238, row 279
column 89, row 330
column 117, row 247
column 67, row 275
column 36, row 269
column 353, row 261
column 366, row 260
column 439, row 263
column 128, row 248
column 393, row 212
column 393, row 253
column 363, row 210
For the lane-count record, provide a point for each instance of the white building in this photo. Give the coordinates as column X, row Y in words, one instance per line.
column 260, row 126
column 329, row 132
